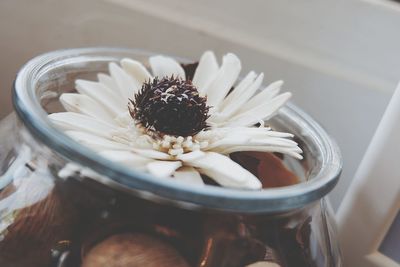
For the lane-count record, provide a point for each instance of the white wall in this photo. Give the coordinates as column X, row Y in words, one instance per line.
column 339, row 58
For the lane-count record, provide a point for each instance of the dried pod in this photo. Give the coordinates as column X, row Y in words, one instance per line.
column 131, row 250
column 34, row 223
column 230, row 242
column 264, row 264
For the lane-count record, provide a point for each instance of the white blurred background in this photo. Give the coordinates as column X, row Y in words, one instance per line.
column 340, row 58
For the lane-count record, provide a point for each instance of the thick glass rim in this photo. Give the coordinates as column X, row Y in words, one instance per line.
column 34, row 117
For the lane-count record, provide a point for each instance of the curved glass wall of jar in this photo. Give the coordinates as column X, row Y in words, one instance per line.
column 62, row 205
column 65, row 218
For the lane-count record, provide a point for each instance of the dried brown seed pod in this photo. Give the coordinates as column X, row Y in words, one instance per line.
column 264, row 264
column 34, row 224
column 131, row 250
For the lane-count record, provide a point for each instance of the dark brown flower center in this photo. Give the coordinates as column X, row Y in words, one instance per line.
column 170, row 106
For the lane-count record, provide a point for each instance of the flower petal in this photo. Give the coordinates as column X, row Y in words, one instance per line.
column 153, row 154
column 163, row 168
column 136, row 70
column 253, row 131
column 127, row 158
column 205, row 71
column 111, row 85
column 94, row 142
column 224, row 171
column 265, row 95
column 261, row 112
column 189, row 175
column 124, row 119
column 241, row 99
column 239, row 89
column 101, row 94
column 253, row 139
column 224, row 80
column 246, row 133
column 79, row 122
column 237, row 140
column 190, row 156
column 126, row 83
column 291, row 151
column 85, row 105
column 165, row 66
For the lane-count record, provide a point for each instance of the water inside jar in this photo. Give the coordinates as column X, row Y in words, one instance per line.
column 178, row 237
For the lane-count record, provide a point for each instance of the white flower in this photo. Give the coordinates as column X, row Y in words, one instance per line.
column 98, row 117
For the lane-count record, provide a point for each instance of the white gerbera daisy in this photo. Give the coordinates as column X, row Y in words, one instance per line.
column 171, row 126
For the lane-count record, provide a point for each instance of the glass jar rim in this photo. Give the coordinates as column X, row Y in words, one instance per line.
column 34, row 117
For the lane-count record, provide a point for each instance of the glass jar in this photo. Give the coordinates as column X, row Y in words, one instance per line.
column 62, row 204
